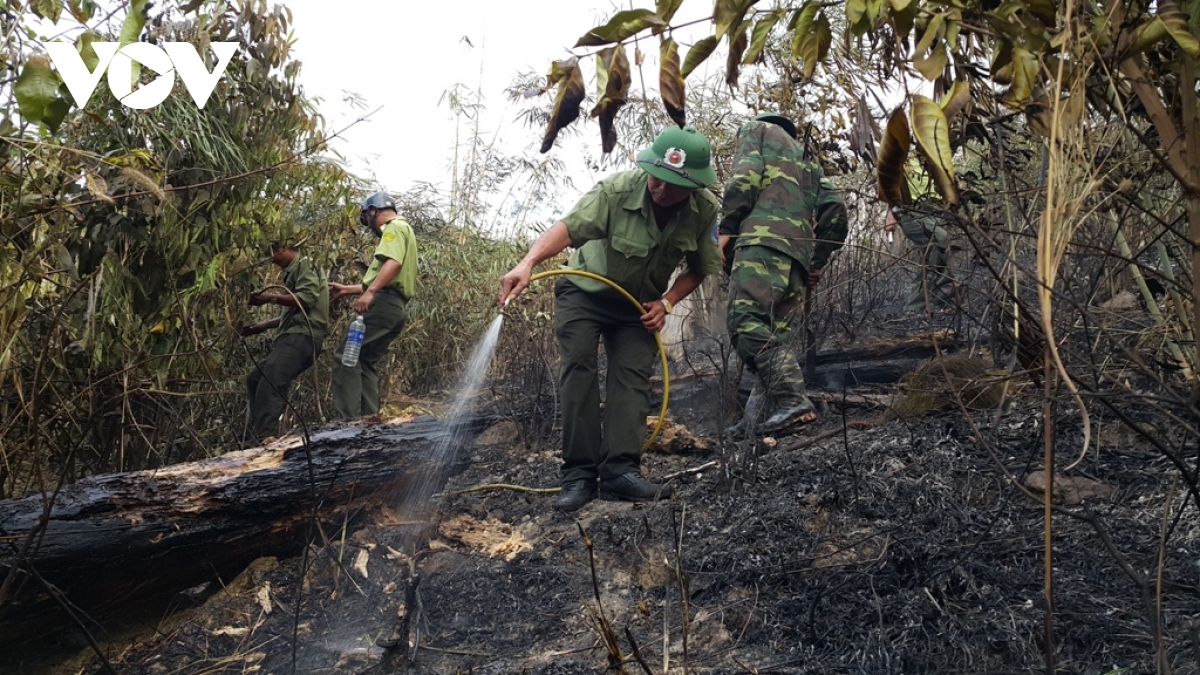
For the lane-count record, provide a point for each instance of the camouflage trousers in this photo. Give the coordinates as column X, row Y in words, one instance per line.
column 766, row 293
column 934, row 279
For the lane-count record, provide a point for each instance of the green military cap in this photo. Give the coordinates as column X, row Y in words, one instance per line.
column 788, row 125
column 679, row 157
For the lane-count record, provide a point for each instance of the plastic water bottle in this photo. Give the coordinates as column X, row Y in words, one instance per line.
column 354, row 342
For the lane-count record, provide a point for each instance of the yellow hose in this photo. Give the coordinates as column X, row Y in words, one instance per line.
column 662, row 351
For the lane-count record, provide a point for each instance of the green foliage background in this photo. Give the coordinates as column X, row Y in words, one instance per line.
column 130, row 240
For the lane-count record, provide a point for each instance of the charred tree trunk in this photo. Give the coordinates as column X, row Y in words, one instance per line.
column 109, row 541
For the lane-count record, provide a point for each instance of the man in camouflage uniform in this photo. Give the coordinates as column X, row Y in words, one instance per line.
column 774, row 201
column 301, row 329
column 632, row 228
column 934, row 283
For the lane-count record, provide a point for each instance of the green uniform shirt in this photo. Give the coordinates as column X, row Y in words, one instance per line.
column 833, row 223
column 396, row 243
column 774, row 197
column 614, row 230
column 309, row 285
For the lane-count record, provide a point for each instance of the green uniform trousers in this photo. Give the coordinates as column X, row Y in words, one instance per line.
column 356, row 390
column 933, row 240
column 766, row 292
column 581, row 321
column 269, row 381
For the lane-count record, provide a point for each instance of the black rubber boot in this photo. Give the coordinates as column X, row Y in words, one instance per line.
column 789, row 414
column 752, row 416
column 631, row 487
column 575, row 494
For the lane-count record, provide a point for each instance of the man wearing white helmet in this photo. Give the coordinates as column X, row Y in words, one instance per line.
column 385, row 290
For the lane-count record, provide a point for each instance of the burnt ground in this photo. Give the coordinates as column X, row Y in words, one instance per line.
column 858, row 546
column 864, row 544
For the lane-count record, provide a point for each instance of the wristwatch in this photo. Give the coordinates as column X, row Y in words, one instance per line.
column 667, row 305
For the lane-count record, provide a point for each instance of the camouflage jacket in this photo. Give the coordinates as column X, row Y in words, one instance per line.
column 775, row 198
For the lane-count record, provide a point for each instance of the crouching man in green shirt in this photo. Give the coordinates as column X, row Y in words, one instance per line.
column 385, row 290
column 301, row 329
column 632, row 228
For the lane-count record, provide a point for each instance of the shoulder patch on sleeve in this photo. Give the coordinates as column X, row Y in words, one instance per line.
column 389, row 236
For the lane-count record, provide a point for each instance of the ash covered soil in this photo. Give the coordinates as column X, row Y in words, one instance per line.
column 856, row 546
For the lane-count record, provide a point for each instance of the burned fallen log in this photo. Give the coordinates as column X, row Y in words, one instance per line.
column 108, row 542
column 921, row 346
column 880, row 362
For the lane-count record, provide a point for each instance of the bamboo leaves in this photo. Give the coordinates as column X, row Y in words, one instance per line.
column 623, row 25
column 1022, row 36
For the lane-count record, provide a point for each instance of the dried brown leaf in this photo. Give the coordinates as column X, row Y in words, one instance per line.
column 670, row 82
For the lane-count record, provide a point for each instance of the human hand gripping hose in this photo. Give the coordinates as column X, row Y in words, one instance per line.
column 662, row 352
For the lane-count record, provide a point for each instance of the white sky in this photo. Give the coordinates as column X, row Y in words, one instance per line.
column 404, row 56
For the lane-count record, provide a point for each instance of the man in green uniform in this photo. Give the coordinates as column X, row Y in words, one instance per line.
column 784, row 220
column 301, row 330
column 386, row 288
column 934, row 284
column 633, row 228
